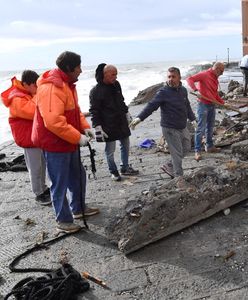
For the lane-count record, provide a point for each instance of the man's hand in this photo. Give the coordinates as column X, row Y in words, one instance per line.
column 101, row 136
column 129, row 118
column 135, row 122
column 197, row 94
column 89, row 133
column 84, row 140
column 194, row 124
column 227, row 106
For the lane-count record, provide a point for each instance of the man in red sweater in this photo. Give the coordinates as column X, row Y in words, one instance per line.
column 205, row 85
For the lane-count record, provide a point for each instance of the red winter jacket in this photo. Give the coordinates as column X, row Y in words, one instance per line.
column 58, row 122
column 21, row 112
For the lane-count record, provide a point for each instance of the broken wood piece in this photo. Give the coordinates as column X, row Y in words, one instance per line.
column 166, row 209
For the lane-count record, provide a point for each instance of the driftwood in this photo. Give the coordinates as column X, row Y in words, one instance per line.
column 165, row 209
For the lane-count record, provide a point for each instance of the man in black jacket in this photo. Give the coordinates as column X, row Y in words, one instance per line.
column 110, row 118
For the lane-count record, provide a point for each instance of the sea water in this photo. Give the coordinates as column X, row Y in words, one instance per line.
column 132, row 77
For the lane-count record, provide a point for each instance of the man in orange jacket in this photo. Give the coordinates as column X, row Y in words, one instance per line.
column 19, row 98
column 59, row 129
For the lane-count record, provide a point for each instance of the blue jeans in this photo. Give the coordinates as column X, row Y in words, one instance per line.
column 205, row 125
column 68, row 178
column 110, row 150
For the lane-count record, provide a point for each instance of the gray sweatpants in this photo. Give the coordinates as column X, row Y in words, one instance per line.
column 179, row 144
column 36, row 166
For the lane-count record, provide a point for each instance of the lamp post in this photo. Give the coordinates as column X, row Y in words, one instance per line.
column 227, row 56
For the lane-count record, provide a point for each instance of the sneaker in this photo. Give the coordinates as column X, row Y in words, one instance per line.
column 115, row 176
column 47, row 192
column 89, row 211
column 68, row 227
column 198, row 156
column 77, row 216
column 44, row 198
column 129, row 172
column 168, row 169
column 213, row 150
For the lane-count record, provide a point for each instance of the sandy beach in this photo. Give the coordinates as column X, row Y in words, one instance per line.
column 185, row 265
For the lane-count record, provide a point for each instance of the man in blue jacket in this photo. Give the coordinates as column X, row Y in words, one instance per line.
column 175, row 110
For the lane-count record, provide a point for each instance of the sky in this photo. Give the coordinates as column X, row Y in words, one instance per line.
column 34, row 32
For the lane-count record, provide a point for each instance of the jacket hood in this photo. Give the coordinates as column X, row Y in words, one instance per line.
column 99, row 73
column 16, row 90
column 55, row 76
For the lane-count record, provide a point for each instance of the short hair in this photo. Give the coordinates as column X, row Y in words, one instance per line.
column 219, row 65
column 29, row 77
column 68, row 61
column 174, row 70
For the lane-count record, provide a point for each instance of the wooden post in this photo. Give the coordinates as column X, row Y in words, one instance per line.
column 245, row 26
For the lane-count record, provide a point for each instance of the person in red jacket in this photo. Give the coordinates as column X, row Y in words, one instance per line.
column 59, row 129
column 206, row 90
column 19, row 99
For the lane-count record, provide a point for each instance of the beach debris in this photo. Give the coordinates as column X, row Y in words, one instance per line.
column 240, row 149
column 162, row 146
column 16, row 165
column 2, row 155
column 41, row 236
column 147, row 143
column 165, row 210
column 96, row 280
column 146, row 192
column 63, row 257
column 229, row 255
column 225, row 257
column 29, row 222
column 226, row 211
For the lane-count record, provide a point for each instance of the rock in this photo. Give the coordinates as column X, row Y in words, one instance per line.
column 166, row 209
column 2, row 155
column 18, row 164
column 226, row 211
column 240, row 149
column 197, row 68
column 232, row 85
column 147, row 94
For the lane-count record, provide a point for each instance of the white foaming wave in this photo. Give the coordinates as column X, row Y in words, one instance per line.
column 132, row 77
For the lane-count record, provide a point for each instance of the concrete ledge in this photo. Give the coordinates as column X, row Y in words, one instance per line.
column 166, row 209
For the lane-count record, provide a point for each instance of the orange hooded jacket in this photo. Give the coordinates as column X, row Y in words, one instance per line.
column 21, row 112
column 58, row 122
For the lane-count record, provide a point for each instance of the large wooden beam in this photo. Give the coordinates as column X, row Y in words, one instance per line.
column 166, row 209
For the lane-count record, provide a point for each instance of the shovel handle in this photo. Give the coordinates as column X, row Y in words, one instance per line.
column 229, row 107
